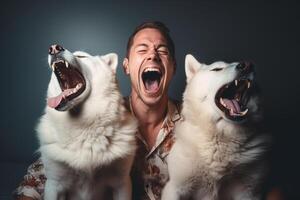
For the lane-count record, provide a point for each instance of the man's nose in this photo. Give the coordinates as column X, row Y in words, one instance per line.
column 153, row 55
column 55, row 49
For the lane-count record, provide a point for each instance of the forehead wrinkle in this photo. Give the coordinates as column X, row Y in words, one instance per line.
column 147, row 41
column 141, row 45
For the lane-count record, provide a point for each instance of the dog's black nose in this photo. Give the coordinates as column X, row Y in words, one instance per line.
column 245, row 67
column 55, row 49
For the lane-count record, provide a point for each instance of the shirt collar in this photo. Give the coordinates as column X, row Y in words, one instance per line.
column 173, row 115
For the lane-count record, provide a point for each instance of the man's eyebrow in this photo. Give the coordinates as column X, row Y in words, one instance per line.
column 146, row 45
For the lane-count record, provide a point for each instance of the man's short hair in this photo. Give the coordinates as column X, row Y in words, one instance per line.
column 161, row 27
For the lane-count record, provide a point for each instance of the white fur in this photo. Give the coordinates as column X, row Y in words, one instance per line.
column 91, row 145
column 214, row 158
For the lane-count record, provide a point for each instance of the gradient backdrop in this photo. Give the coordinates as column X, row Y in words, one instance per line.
column 264, row 33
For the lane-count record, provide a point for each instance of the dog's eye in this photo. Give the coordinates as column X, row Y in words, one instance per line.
column 216, row 69
column 81, row 56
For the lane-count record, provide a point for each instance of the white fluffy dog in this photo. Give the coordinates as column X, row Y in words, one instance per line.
column 219, row 151
column 87, row 137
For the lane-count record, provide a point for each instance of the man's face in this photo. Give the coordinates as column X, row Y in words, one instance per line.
column 150, row 66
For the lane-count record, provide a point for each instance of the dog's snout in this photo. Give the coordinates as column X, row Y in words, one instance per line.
column 55, row 49
column 245, row 67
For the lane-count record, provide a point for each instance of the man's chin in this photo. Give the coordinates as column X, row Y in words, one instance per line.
column 152, row 99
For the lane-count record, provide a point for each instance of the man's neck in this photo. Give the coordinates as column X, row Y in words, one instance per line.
column 150, row 117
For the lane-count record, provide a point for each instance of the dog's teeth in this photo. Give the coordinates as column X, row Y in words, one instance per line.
column 244, row 112
column 236, row 82
column 53, row 66
column 248, row 84
column 78, row 86
column 67, row 64
column 222, row 102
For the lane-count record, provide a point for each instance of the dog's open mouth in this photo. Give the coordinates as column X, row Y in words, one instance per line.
column 71, row 81
column 151, row 79
column 232, row 99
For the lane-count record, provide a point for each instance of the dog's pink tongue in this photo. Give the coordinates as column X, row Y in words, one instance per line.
column 53, row 102
column 151, row 85
column 232, row 104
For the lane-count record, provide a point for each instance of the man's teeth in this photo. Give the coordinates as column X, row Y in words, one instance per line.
column 152, row 70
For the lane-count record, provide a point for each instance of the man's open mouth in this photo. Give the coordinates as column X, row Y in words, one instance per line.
column 232, row 99
column 151, row 79
column 71, row 81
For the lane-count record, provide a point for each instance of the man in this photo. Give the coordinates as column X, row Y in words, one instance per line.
column 150, row 63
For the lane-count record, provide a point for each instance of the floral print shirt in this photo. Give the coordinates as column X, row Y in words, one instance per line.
column 149, row 173
column 33, row 182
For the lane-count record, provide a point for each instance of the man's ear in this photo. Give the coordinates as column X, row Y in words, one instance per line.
column 192, row 66
column 125, row 66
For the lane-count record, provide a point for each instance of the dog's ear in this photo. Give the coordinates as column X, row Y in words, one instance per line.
column 111, row 60
column 191, row 66
column 81, row 54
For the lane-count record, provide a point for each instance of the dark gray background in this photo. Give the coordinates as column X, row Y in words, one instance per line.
column 264, row 33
